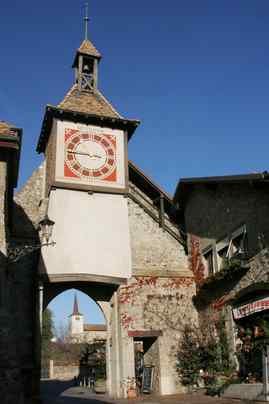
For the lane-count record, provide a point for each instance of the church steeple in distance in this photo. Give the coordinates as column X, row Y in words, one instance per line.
column 75, row 307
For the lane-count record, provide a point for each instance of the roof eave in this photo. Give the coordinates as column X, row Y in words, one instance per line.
column 150, row 188
column 78, row 53
column 185, row 184
column 82, row 117
column 13, row 144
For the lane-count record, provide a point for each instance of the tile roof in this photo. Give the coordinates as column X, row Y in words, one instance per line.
column 88, row 48
column 94, row 327
column 6, row 126
column 88, row 102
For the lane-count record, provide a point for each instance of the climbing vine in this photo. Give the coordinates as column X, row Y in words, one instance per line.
column 196, row 264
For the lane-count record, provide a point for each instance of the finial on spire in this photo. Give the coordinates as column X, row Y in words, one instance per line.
column 86, row 20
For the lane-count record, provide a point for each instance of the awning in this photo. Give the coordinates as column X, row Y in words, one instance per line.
column 250, row 308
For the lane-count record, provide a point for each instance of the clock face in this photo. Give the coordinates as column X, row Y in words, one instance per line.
column 90, row 155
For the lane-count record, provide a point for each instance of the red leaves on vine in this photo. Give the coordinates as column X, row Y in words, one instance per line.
column 196, row 264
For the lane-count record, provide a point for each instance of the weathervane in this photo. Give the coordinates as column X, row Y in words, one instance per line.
column 86, row 20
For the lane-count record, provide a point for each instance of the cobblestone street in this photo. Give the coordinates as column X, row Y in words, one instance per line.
column 63, row 392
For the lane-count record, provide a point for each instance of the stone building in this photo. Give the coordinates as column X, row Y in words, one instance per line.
column 227, row 234
column 80, row 332
column 10, row 143
column 114, row 238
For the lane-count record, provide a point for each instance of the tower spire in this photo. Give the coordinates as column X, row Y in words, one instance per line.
column 75, row 306
column 86, row 20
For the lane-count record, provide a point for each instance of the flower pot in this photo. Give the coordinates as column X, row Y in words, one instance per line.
column 131, row 393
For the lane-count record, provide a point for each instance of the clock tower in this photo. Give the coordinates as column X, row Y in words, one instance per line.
column 84, row 140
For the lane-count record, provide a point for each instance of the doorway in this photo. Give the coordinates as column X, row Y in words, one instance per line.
column 147, row 364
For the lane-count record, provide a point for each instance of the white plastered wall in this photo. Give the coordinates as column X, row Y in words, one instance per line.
column 91, row 232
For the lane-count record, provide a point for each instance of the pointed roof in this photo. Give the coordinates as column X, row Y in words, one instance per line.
column 88, row 102
column 75, row 307
column 87, row 48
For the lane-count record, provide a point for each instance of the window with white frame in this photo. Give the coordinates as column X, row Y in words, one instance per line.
column 233, row 246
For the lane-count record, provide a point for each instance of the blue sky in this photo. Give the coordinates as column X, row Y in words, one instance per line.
column 196, row 73
column 62, row 308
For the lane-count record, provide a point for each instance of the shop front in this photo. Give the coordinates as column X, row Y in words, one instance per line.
column 251, row 318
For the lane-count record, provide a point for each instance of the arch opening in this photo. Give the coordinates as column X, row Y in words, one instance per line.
column 74, row 338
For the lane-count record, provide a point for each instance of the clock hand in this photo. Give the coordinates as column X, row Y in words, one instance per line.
column 91, row 156
column 80, row 153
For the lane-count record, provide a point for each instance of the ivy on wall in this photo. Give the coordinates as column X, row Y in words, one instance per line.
column 195, row 259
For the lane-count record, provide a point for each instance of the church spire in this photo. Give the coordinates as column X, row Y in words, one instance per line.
column 75, row 307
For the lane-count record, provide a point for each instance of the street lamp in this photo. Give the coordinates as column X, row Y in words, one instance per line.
column 45, row 227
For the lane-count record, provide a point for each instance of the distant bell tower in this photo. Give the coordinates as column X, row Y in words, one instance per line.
column 76, row 319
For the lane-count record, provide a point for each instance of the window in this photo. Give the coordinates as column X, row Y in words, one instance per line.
column 234, row 246
column 209, row 260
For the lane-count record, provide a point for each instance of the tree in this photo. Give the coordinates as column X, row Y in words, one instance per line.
column 62, row 332
column 47, row 333
column 94, row 356
column 203, row 348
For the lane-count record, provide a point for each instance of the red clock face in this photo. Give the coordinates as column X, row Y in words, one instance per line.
column 90, row 156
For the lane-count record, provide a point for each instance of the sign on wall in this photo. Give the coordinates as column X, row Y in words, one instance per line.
column 250, row 308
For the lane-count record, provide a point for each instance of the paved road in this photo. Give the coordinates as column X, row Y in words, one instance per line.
column 64, row 392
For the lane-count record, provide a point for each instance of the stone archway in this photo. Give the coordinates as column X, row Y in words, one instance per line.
column 104, row 294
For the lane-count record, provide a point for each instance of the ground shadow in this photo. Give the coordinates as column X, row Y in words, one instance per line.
column 59, row 391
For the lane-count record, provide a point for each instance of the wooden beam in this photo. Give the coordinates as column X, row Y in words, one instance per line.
column 95, row 74
column 161, row 211
column 80, row 66
column 145, row 333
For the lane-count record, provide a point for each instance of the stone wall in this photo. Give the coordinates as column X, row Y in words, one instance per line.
column 88, row 337
column 159, row 304
column 23, row 284
column 29, row 207
column 11, row 374
column 158, row 298
column 64, row 372
column 212, row 213
column 154, row 250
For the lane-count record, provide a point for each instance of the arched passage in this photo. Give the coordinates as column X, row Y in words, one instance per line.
column 100, row 296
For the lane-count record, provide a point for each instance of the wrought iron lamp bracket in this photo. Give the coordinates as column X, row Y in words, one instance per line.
column 15, row 253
